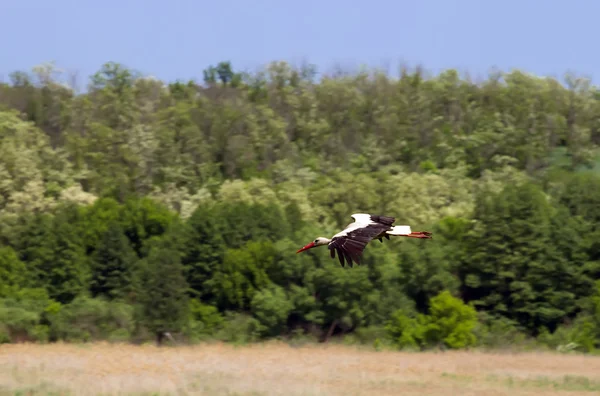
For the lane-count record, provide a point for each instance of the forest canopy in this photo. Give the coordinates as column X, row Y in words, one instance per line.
column 140, row 207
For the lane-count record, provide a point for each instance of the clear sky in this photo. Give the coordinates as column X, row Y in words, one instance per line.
column 179, row 39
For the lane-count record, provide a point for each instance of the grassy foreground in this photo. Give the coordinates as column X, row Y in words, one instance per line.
column 279, row 369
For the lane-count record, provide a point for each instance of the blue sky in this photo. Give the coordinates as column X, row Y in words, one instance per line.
column 179, row 39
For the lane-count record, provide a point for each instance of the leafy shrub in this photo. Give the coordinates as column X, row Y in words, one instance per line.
column 87, row 319
column 239, row 328
column 205, row 320
column 498, row 331
column 22, row 315
column 450, row 323
column 271, row 307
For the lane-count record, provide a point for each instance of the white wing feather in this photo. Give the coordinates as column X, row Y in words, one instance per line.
column 360, row 220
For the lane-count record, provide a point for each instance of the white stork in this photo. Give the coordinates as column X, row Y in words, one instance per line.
column 350, row 242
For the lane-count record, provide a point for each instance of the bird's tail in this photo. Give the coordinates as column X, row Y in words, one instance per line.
column 400, row 230
column 405, row 231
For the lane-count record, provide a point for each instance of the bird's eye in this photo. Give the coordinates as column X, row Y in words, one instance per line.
column 316, row 240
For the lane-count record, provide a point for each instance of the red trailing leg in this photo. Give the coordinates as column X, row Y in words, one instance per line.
column 419, row 234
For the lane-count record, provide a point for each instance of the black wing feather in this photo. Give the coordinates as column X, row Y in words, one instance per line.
column 340, row 256
column 385, row 220
column 351, row 246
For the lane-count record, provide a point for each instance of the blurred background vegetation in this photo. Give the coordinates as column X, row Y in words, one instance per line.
column 139, row 207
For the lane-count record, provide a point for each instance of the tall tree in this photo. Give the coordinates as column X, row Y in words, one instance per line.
column 163, row 293
column 113, row 264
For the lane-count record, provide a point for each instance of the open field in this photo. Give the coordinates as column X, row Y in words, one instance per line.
column 279, row 369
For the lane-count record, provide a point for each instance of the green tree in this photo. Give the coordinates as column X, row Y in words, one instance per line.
column 53, row 251
column 204, row 249
column 113, row 265
column 511, row 266
column 163, row 293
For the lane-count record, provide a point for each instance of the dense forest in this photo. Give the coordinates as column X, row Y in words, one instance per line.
column 140, row 207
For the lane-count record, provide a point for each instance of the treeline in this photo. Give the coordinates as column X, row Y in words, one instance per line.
column 140, row 207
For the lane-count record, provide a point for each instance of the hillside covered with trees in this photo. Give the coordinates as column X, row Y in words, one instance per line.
column 141, row 206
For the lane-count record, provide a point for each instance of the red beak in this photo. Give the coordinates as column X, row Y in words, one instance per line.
column 310, row 245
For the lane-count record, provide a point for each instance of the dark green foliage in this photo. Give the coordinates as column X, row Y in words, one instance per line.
column 243, row 273
column 244, row 223
column 113, row 264
column 345, row 298
column 425, row 271
column 96, row 219
column 512, row 266
column 13, row 273
column 53, row 251
column 143, row 219
column 583, row 334
column 163, row 294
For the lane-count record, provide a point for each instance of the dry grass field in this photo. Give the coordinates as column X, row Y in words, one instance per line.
column 279, row 369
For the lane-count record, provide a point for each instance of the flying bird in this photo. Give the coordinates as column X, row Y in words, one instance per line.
column 350, row 242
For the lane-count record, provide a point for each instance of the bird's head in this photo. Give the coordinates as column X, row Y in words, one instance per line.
column 320, row 241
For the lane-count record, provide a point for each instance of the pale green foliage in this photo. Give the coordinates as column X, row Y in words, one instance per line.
column 422, row 199
column 21, row 144
column 495, row 180
column 6, row 185
column 180, row 200
column 450, row 323
column 252, row 191
column 142, row 145
column 75, row 194
column 294, row 192
column 30, row 199
column 30, row 169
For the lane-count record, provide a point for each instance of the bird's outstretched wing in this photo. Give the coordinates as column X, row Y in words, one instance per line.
column 351, row 242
